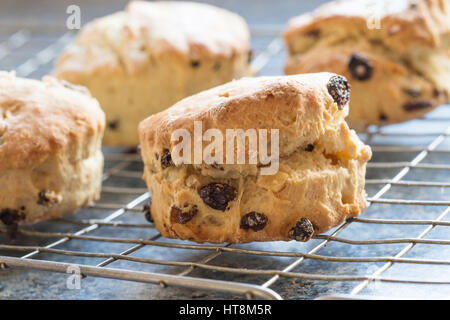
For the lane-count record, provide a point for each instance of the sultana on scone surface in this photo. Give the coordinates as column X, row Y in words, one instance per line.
column 50, row 158
column 319, row 182
column 146, row 58
column 395, row 54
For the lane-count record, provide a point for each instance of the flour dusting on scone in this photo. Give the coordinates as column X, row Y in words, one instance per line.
column 144, row 59
column 321, row 165
column 395, row 54
column 50, row 158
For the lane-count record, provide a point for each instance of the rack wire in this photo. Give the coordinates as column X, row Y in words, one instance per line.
column 399, row 246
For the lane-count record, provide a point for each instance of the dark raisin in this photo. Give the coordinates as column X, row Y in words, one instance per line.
column 195, row 63
column 113, row 125
column 217, row 66
column 416, row 105
column 147, row 211
column 414, row 93
column 166, row 159
column 360, row 67
column 339, row 89
column 156, row 156
column 315, row 33
column 217, row 195
column 309, row 147
column 182, row 217
column 253, row 220
column 250, row 56
column 440, row 93
column 383, row 117
column 11, row 216
column 302, row 231
column 47, row 198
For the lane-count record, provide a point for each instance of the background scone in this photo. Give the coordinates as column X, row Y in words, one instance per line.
column 398, row 71
column 320, row 181
column 143, row 60
column 50, row 158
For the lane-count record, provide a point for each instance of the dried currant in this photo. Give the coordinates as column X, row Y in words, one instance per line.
column 339, row 89
column 217, row 195
column 166, row 159
column 217, row 66
column 309, row 148
column 147, row 211
column 360, row 68
column 417, row 105
column 11, row 216
column 195, row 63
column 382, row 117
column 302, row 231
column 47, row 198
column 253, row 220
column 177, row 215
column 113, row 125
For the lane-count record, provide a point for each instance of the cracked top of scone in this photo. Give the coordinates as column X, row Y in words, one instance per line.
column 399, row 23
column 304, row 108
column 40, row 118
column 149, row 31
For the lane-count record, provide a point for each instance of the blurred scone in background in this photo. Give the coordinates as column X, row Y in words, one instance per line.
column 396, row 54
column 146, row 58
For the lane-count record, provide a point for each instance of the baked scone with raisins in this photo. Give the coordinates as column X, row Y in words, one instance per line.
column 395, row 54
column 153, row 54
column 50, row 158
column 321, row 163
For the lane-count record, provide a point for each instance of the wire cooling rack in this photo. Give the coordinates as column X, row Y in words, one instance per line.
column 398, row 248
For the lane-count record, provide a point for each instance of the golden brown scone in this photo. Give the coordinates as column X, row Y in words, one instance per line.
column 50, row 158
column 319, row 183
column 143, row 60
column 398, row 72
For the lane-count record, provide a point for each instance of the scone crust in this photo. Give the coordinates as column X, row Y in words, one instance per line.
column 323, row 183
column 404, row 22
column 50, row 157
column 127, row 41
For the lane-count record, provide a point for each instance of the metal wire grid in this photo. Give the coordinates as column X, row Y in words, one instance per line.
column 118, row 166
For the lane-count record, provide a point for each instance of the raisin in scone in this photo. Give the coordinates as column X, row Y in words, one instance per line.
column 395, row 54
column 153, row 54
column 321, row 168
column 50, row 158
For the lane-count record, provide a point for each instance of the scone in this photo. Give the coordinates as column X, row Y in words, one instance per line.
column 143, row 60
column 395, row 54
column 50, row 158
column 321, row 163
